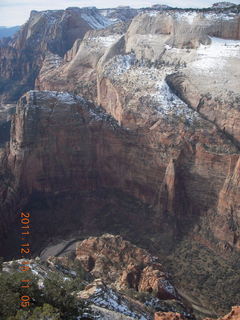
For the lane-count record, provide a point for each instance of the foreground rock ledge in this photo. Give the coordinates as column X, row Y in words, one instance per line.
column 126, row 266
column 233, row 315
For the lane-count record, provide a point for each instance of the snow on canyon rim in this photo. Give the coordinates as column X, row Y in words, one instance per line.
column 107, row 41
column 214, row 55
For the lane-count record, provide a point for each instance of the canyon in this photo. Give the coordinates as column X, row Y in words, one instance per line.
column 126, row 121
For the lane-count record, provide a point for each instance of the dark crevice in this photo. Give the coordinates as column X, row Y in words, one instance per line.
column 5, row 129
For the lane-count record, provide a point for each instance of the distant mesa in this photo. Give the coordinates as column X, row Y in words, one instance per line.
column 82, row 8
column 123, row 7
column 161, row 6
column 8, row 31
column 223, row 4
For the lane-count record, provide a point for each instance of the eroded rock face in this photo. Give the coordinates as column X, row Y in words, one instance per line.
column 117, row 80
column 40, row 126
column 118, row 262
column 102, row 154
column 54, row 31
column 168, row 316
column 223, row 4
column 149, row 33
column 109, row 304
column 121, row 13
column 233, row 315
column 6, row 112
column 77, row 73
column 173, row 146
column 228, row 207
column 219, row 107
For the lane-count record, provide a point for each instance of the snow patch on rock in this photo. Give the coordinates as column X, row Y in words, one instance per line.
column 215, row 55
column 170, row 104
column 152, row 13
column 107, row 298
column 189, row 17
column 96, row 21
column 220, row 16
column 120, row 64
column 106, row 41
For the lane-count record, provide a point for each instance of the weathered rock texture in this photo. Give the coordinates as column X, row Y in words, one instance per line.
column 149, row 33
column 54, row 31
column 109, row 304
column 95, row 151
column 63, row 151
column 122, row 13
column 124, row 278
column 233, row 315
column 161, row 162
column 168, row 316
column 118, row 262
column 229, row 209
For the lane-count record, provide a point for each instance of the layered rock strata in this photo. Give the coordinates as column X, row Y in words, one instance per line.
column 161, row 160
column 52, row 31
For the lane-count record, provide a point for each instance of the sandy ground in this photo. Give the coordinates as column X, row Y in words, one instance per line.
column 61, row 248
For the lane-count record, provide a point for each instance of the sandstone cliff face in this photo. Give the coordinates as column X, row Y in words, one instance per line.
column 41, row 123
column 162, row 142
column 108, row 72
column 54, row 31
column 77, row 72
column 178, row 30
column 122, row 13
column 102, row 154
column 228, row 208
column 40, row 133
column 220, row 108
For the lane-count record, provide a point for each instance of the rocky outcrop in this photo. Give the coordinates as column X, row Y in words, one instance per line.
column 223, row 4
column 168, row 316
column 110, row 304
column 118, row 262
column 121, row 13
column 38, row 116
column 233, row 315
